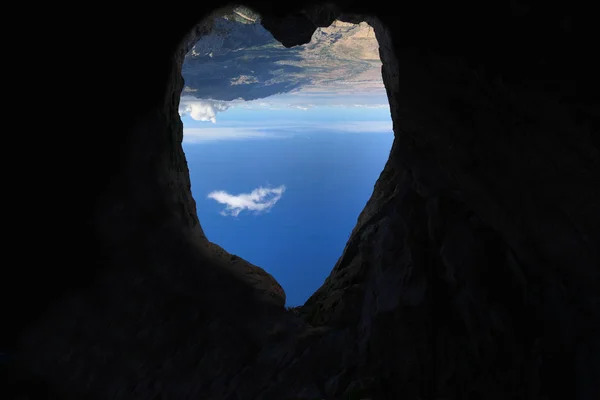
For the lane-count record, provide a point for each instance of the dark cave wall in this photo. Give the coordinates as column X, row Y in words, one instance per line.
column 472, row 272
column 466, row 250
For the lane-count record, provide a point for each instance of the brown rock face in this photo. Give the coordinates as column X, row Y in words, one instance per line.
column 472, row 273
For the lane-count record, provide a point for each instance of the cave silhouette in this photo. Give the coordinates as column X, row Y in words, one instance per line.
column 472, row 273
column 235, row 48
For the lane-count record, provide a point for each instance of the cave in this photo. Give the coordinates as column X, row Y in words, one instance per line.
column 295, row 139
column 472, row 272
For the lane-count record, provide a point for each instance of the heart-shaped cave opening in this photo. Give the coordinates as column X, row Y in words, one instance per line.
column 283, row 144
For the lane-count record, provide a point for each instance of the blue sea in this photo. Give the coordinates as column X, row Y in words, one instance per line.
column 328, row 178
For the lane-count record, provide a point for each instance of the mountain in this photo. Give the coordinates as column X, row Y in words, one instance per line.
column 240, row 59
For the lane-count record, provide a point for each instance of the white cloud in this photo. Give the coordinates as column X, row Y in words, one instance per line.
column 278, row 104
column 201, row 110
column 259, row 200
column 304, row 107
column 207, row 109
column 197, row 135
column 362, row 126
column 372, row 105
column 279, row 129
column 328, row 97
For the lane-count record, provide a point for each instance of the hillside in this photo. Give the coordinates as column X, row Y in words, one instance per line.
column 239, row 59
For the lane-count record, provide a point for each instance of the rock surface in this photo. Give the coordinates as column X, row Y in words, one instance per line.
column 473, row 271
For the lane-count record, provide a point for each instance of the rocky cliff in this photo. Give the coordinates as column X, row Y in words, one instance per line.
column 472, row 273
column 240, row 59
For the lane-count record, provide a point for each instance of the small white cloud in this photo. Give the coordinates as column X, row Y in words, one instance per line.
column 259, row 200
column 201, row 110
column 210, row 134
column 371, row 105
column 304, row 107
column 280, row 129
column 362, row 126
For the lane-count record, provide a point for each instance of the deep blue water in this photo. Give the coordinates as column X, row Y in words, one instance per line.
column 328, row 177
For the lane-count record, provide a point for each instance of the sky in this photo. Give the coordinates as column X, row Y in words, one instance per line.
column 284, row 151
column 282, row 185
